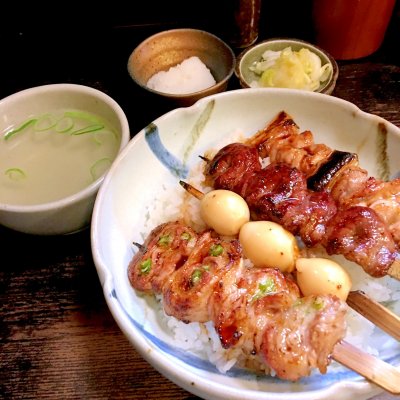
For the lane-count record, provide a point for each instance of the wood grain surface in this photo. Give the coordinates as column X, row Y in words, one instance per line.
column 58, row 339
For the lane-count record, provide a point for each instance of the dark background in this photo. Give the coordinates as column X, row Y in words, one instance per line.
column 85, row 43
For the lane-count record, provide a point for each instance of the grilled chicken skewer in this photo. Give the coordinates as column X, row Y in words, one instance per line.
column 279, row 193
column 359, row 301
column 331, row 170
column 258, row 309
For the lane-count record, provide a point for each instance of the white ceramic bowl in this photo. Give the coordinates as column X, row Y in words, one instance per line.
column 147, row 172
column 71, row 213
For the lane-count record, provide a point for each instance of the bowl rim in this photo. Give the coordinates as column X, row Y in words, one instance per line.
column 91, row 189
column 329, row 86
column 191, row 94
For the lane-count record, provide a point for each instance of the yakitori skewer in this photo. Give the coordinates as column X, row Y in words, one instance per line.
column 359, row 301
column 337, row 172
column 373, row 369
column 279, row 192
column 370, row 367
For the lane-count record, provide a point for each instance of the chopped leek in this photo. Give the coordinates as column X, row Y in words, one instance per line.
column 145, row 266
column 265, row 288
column 64, row 125
column 100, row 167
column 164, row 240
column 15, row 174
column 216, row 250
column 196, row 276
column 44, row 123
column 12, row 132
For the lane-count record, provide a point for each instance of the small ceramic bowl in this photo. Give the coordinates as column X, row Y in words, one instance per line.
column 254, row 54
column 169, row 48
column 57, row 142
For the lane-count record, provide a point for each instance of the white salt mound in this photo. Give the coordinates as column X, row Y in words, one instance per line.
column 188, row 77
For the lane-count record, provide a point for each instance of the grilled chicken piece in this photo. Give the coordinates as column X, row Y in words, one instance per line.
column 361, row 236
column 165, row 250
column 329, row 170
column 245, row 300
column 302, row 336
column 231, row 163
column 187, row 291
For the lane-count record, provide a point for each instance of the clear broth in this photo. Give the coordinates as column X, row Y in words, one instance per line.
column 49, row 160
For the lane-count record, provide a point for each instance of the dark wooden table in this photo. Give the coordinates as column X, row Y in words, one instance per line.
column 58, row 339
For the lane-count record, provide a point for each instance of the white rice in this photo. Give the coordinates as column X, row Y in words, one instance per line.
column 190, row 76
column 202, row 339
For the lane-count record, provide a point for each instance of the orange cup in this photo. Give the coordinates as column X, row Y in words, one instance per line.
column 350, row 29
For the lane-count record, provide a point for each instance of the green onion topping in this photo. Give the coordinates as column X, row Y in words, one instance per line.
column 216, row 250
column 265, row 288
column 186, row 236
column 64, row 125
column 196, row 276
column 318, row 303
column 165, row 240
column 15, row 174
column 88, row 129
column 44, row 123
column 100, row 167
column 12, row 132
column 145, row 266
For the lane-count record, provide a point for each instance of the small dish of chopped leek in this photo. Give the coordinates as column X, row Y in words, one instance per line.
column 287, row 63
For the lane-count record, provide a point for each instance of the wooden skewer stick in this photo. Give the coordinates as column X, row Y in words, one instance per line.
column 139, row 246
column 375, row 370
column 375, row 312
column 192, row 190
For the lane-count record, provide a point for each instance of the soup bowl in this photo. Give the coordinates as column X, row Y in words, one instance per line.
column 57, row 142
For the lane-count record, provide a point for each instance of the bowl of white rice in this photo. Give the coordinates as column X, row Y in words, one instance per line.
column 132, row 201
column 182, row 65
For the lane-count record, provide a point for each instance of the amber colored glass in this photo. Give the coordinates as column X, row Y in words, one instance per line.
column 351, row 29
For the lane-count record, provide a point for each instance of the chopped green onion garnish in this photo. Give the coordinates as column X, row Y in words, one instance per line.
column 196, row 276
column 318, row 303
column 298, row 302
column 83, row 115
column 100, row 167
column 12, row 132
column 216, row 250
column 145, row 266
column 164, row 240
column 45, row 123
column 265, row 288
column 88, row 129
column 15, row 174
column 186, row 236
column 65, row 124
